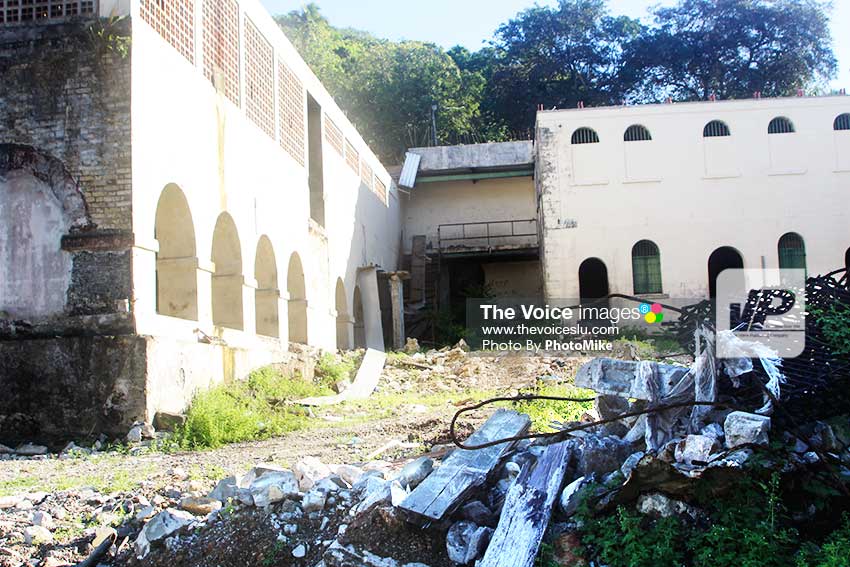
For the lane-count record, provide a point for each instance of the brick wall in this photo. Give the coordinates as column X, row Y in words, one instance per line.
column 66, row 92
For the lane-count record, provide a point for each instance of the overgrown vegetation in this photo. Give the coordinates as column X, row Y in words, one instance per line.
column 835, row 323
column 557, row 56
column 332, row 369
column 244, row 410
column 749, row 525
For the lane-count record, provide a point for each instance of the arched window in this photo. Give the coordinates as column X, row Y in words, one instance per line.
column 716, row 129
column 842, row 122
column 792, row 251
column 585, row 136
column 637, row 133
column 780, row 125
column 646, row 268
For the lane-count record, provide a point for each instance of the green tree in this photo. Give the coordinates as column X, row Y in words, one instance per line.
column 732, row 48
column 388, row 88
column 557, row 57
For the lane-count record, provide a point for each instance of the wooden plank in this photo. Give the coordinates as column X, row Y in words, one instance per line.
column 446, row 488
column 527, row 509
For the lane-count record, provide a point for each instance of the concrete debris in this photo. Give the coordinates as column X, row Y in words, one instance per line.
column 34, row 535
column 314, row 501
column 466, row 542
column 659, row 505
column 200, row 505
column 160, row 527
column 30, row 450
column 570, row 497
column 411, row 346
column 272, row 487
column 742, row 428
column 43, row 519
column 695, row 449
column 164, row 421
column 308, row 471
column 415, row 472
column 225, row 490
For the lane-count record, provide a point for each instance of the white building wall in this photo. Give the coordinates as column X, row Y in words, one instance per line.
column 186, row 133
column 688, row 194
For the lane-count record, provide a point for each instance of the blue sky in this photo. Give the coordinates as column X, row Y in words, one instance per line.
column 471, row 22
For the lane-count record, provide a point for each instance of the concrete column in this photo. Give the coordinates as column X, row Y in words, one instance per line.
column 204, row 273
column 374, row 330
column 397, row 294
column 249, row 307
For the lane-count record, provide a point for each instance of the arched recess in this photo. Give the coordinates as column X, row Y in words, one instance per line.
column 646, row 268
column 176, row 261
column 593, row 280
column 227, row 309
column 297, row 290
column 39, row 204
column 359, row 322
column 343, row 338
column 267, row 295
column 722, row 259
column 792, row 251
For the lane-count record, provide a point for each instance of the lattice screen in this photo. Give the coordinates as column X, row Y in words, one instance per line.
column 333, row 134
column 174, row 20
column 352, row 157
column 221, row 46
column 259, row 79
column 366, row 174
column 291, row 106
column 22, row 11
column 381, row 190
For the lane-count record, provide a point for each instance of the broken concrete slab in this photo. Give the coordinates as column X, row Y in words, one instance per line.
column 743, row 428
column 364, row 383
column 466, row 541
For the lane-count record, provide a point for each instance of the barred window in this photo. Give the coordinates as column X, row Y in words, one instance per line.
column 174, row 21
column 221, row 46
column 366, row 174
column 792, row 251
column 646, row 268
column 842, row 122
column 716, row 129
column 333, row 134
column 352, row 156
column 259, row 79
column 780, row 125
column 22, row 11
column 637, row 133
column 291, row 102
column 381, row 190
column 585, row 136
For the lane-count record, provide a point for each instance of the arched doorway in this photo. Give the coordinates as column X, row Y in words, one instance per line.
column 176, row 260
column 343, row 340
column 721, row 259
column 227, row 280
column 593, row 280
column 297, row 290
column 267, row 295
column 792, row 251
column 359, row 323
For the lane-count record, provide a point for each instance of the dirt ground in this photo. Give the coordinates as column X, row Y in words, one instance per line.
column 427, row 392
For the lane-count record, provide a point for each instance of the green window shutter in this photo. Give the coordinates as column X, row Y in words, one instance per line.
column 646, row 268
column 792, row 252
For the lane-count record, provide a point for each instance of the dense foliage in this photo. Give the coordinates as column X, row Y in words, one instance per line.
column 560, row 56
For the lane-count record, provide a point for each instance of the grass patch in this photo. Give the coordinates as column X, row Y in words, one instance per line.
column 256, row 408
column 544, row 412
column 332, row 369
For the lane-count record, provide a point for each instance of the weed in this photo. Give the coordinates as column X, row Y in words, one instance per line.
column 332, row 369
column 256, row 408
column 544, row 412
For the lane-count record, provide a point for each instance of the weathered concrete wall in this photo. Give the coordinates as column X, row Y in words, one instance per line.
column 689, row 194
column 54, row 388
column 492, row 155
column 67, row 94
column 514, row 279
column 446, row 202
